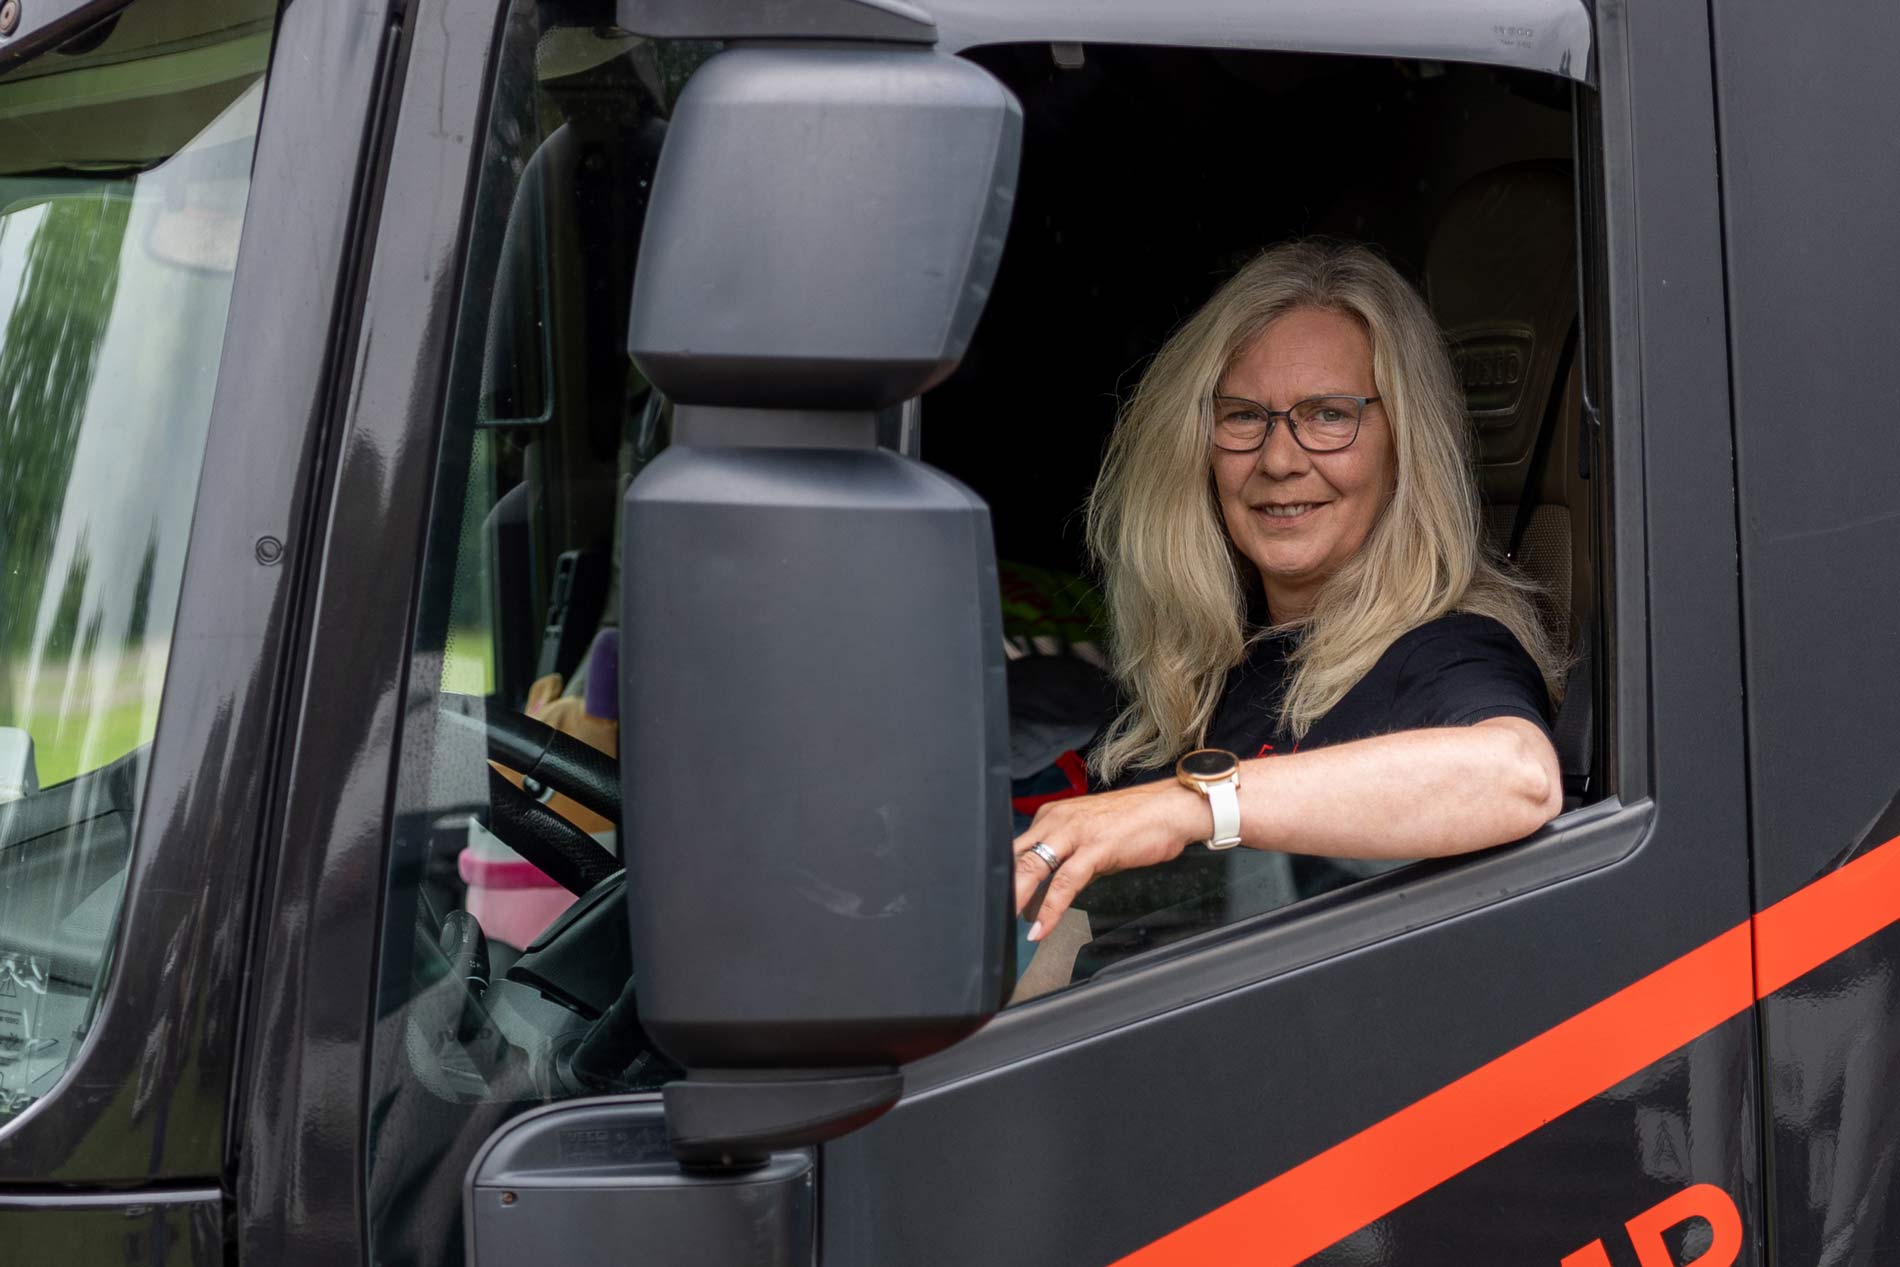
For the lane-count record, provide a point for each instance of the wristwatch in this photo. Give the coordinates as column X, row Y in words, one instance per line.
column 1215, row 774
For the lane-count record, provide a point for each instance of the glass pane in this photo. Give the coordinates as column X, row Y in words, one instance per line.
column 125, row 161
column 498, row 978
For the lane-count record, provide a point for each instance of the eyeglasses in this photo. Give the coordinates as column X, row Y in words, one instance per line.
column 1323, row 424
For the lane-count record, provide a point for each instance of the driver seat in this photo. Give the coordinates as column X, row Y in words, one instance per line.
column 1501, row 276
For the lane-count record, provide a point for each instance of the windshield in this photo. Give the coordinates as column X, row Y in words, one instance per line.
column 114, row 277
column 125, row 161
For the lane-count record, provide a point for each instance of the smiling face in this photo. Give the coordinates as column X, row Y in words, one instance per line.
column 1299, row 516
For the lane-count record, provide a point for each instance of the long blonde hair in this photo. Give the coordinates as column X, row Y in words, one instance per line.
column 1177, row 602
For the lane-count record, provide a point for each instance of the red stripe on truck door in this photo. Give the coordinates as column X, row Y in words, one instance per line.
column 1332, row 1195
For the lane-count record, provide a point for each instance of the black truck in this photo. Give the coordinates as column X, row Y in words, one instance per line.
column 530, row 531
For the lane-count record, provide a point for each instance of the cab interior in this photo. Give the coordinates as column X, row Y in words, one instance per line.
column 1148, row 175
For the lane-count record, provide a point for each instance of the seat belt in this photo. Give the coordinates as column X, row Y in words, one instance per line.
column 1540, row 448
column 1574, row 732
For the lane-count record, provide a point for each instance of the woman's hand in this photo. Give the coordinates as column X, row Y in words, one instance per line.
column 1102, row 834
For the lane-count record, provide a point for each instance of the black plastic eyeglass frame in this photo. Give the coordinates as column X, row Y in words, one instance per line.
column 1274, row 415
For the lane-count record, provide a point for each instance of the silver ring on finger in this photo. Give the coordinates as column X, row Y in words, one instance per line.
column 1048, row 856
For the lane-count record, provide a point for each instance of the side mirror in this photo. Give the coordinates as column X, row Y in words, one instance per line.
column 814, row 747
column 18, row 776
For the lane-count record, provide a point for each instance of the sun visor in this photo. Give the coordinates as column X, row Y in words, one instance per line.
column 1551, row 36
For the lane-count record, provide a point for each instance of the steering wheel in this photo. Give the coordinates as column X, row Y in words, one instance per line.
column 563, row 1019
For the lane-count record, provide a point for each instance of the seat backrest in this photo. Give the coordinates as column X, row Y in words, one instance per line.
column 1501, row 276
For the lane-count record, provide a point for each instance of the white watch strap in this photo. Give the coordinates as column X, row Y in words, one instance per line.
column 1224, row 799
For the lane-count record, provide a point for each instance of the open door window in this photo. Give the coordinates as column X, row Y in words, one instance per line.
column 1141, row 194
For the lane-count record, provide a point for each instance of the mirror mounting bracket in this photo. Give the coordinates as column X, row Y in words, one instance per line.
column 728, row 427
column 737, row 1118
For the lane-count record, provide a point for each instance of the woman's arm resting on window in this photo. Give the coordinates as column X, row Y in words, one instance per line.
column 1416, row 794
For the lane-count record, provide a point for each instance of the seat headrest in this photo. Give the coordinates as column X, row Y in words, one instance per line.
column 1501, row 276
column 579, row 165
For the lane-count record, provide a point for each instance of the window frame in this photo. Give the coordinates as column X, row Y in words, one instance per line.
column 1600, row 833
column 299, row 1119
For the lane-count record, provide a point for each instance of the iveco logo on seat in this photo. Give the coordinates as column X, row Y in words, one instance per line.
column 1492, row 365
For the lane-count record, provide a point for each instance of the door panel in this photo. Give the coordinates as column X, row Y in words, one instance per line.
column 1091, row 1151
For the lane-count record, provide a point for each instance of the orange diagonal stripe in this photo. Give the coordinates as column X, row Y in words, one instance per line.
column 1814, row 923
column 1330, row 1196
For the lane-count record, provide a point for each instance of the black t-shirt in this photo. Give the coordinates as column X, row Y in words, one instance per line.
column 1453, row 671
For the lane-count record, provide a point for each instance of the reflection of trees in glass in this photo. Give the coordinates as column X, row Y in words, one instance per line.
column 47, row 358
column 64, row 633
column 66, row 642
column 142, row 592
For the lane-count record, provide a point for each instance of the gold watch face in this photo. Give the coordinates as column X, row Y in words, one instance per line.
column 1206, row 765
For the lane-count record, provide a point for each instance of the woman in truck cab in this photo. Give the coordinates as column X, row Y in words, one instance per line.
column 1317, row 655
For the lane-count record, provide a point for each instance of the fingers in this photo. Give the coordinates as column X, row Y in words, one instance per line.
column 1032, row 871
column 1031, row 874
column 1093, row 836
column 1059, row 887
column 1070, row 879
column 1087, row 840
column 1037, row 825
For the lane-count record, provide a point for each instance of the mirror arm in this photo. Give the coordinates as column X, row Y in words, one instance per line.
column 725, row 427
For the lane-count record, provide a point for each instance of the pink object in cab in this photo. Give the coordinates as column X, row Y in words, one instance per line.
column 509, row 896
column 512, row 899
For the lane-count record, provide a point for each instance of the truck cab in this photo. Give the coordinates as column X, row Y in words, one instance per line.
column 540, row 575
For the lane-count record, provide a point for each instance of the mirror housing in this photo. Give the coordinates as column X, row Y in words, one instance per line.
column 814, row 746
column 814, row 757
column 781, row 273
